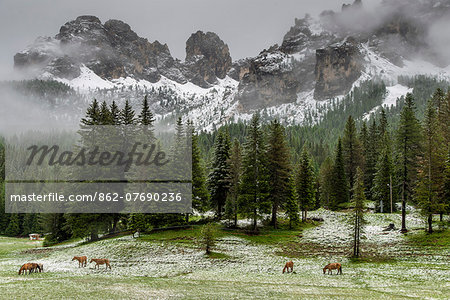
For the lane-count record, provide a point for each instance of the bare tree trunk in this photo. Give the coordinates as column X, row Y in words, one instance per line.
column 274, row 214
column 403, row 211
column 430, row 223
column 254, row 220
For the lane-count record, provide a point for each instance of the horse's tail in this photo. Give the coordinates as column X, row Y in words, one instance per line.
column 284, row 269
column 340, row 270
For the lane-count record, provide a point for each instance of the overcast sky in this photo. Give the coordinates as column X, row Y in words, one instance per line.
column 247, row 26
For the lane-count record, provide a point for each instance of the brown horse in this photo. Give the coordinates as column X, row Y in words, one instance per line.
column 331, row 267
column 101, row 261
column 287, row 266
column 82, row 260
column 30, row 267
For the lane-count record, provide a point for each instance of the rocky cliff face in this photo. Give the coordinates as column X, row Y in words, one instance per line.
column 207, row 58
column 337, row 67
column 113, row 50
column 279, row 73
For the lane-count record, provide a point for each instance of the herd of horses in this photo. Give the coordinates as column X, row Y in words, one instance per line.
column 82, row 262
column 289, row 267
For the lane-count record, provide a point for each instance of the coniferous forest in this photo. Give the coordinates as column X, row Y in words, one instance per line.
column 394, row 158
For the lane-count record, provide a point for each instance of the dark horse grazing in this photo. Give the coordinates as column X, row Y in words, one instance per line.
column 82, row 260
column 37, row 267
column 331, row 267
column 101, row 261
column 287, row 266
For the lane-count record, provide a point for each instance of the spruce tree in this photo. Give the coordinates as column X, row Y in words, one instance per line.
column 305, row 184
column 358, row 200
column 291, row 206
column 431, row 180
column 200, row 196
column 106, row 117
column 235, row 169
column 278, row 167
column 115, row 113
column 127, row 114
column 381, row 189
column 92, row 114
column 254, row 185
column 339, row 194
column 408, row 138
column 351, row 150
column 13, row 228
column 146, row 119
column 326, row 178
column 218, row 179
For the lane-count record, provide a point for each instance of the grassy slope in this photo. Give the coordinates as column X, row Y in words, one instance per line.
column 250, row 267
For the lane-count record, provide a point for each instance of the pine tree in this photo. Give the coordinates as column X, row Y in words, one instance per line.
column 218, row 180
column 115, row 113
column 408, row 149
column 358, row 200
column 13, row 228
column 278, row 167
column 235, row 169
column 291, row 206
column 339, row 194
column 326, row 178
column 137, row 223
column 431, row 180
column 254, row 185
column 383, row 127
column 127, row 114
column 351, row 150
column 106, row 117
column 92, row 114
column 371, row 155
column 146, row 116
column 305, row 184
column 381, row 189
column 446, row 196
column 55, row 225
column 200, row 196
column 146, row 119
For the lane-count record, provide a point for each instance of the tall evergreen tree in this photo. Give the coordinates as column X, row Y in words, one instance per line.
column 235, row 169
column 146, row 117
column 339, row 194
column 200, row 196
column 305, row 184
column 351, row 147
column 408, row 148
column 254, row 185
column 92, row 114
column 278, row 167
column 147, row 120
column 106, row 117
column 13, row 228
column 291, row 206
column 218, row 180
column 381, row 189
column 127, row 114
column 431, row 180
column 326, row 178
column 115, row 113
column 358, row 200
